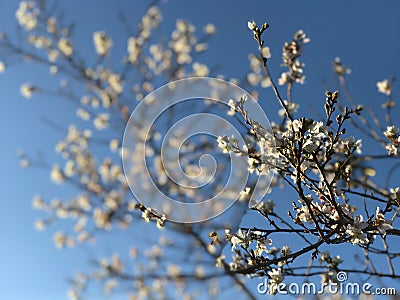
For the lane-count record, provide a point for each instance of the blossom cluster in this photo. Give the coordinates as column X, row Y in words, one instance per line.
column 290, row 57
column 324, row 165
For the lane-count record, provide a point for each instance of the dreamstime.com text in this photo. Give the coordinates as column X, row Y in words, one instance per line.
column 310, row 288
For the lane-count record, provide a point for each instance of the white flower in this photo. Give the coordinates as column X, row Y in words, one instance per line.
column 276, row 278
column 53, row 55
column 51, row 25
column 209, row 28
column 326, row 257
column 27, row 15
column 285, row 251
column 381, row 223
column 384, row 87
column 224, row 143
column 296, row 125
column 292, row 107
column 266, row 82
column 70, row 168
column 262, row 245
column 310, row 146
column 285, row 78
column 220, row 261
column 101, row 122
column 245, row 193
column 251, row 25
column 240, row 239
column 61, row 240
column 355, row 231
column 56, row 175
column 161, row 222
column 27, row 90
column 83, row 114
column 391, row 132
column 65, row 46
column 200, row 70
column 38, row 203
column 301, row 35
column 147, row 214
column 339, row 68
column 134, row 49
column 53, row 70
column 253, row 78
column 109, row 285
column 337, row 260
column 303, row 214
column 101, row 218
column 114, row 144
column 269, row 205
column 40, row 225
column 266, row 52
column 173, row 270
column 24, row 163
column 232, row 105
column 394, row 193
column 115, row 83
column 2, row 67
column 102, row 43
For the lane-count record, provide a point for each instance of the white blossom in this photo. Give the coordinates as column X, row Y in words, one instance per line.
column 101, row 121
column 65, row 46
column 27, row 90
column 102, row 42
column 56, row 174
column 384, row 87
column 2, row 67
column 209, row 28
column 251, row 25
column 27, row 15
column 200, row 70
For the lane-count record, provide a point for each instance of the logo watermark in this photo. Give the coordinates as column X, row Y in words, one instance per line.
column 309, row 288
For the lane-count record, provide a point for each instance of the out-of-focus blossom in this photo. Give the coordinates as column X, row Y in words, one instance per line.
column 380, row 222
column 83, row 114
column 276, row 278
column 102, row 43
column 115, row 83
column 339, row 68
column 210, row 28
column 384, row 87
column 391, row 132
column 61, row 240
column 27, row 15
column 200, row 69
column 65, row 46
column 2, row 67
column 355, row 231
column 56, row 174
column 251, row 25
column 101, row 121
column 27, row 90
column 266, row 52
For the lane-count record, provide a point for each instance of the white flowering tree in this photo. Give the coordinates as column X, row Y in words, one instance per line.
column 338, row 202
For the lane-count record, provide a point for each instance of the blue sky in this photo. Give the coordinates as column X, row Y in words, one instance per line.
column 364, row 34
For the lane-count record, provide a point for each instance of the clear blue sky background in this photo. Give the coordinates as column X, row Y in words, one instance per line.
column 365, row 34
